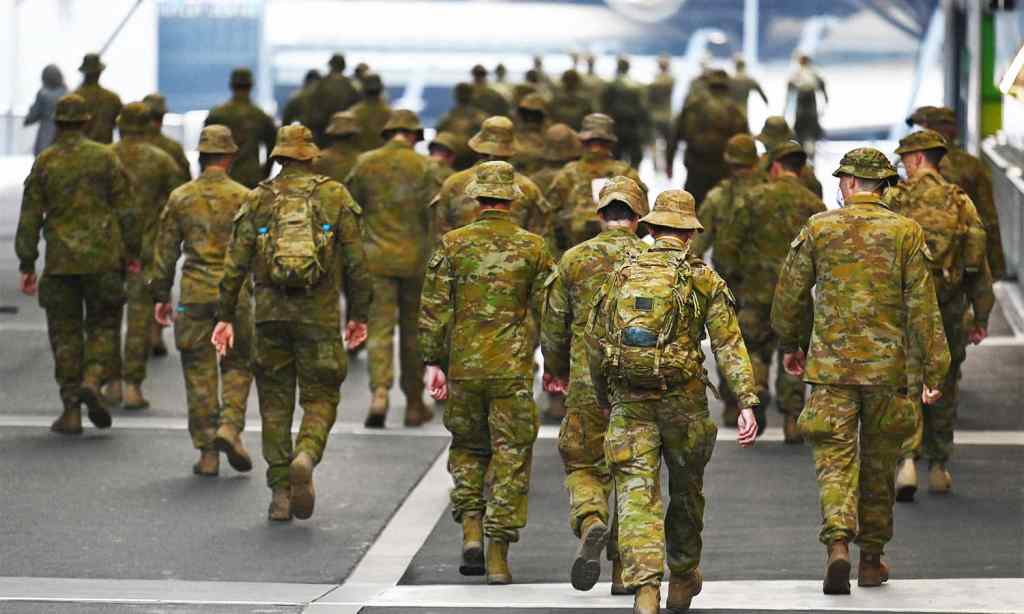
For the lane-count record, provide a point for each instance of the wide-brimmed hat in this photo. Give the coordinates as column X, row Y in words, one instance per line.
column 866, row 163
column 134, row 117
column 403, row 119
column 598, row 127
column 343, row 123
column 372, row 84
column 717, row 78
column 561, row 144
column 495, row 179
column 216, row 139
column 741, row 151
column 922, row 140
column 240, row 77
column 533, row 102
column 295, row 141
column 784, row 150
column 72, row 108
column 674, row 209
column 157, row 104
column 91, row 63
column 448, row 140
column 497, row 137
column 932, row 116
column 775, row 131
column 625, row 190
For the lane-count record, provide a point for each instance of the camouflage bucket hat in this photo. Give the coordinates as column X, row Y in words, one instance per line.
column 372, row 84
column 775, row 132
column 598, row 127
column 624, row 190
column 91, row 63
column 216, row 139
column 448, row 140
column 561, row 144
column 865, row 163
column 494, row 180
column 497, row 137
column 789, row 148
column 922, row 140
column 343, row 123
column 134, row 117
column 932, row 116
column 741, row 151
column 241, row 77
column 72, row 108
column 157, row 105
column 674, row 209
column 717, row 78
column 403, row 119
column 295, row 142
column 533, row 102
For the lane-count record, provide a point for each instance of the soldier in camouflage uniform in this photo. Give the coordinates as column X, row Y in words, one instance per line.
column 297, row 109
column 442, row 154
column 103, row 104
column 482, row 297
column 659, row 100
column 765, row 221
column 670, row 422
column 874, row 304
column 571, row 291
column 776, row 132
column 485, row 97
column 742, row 84
column 339, row 157
column 463, row 120
column 531, row 123
column 79, row 196
column 371, row 113
column 802, row 94
column 971, row 174
column 158, row 108
column 562, row 145
column 706, row 124
column 154, row 175
column 716, row 215
column 250, row 127
column 956, row 240
column 625, row 101
column 571, row 103
column 334, row 93
column 593, row 84
column 454, row 207
column 197, row 222
column 501, row 84
column 298, row 329
column 573, row 191
column 393, row 184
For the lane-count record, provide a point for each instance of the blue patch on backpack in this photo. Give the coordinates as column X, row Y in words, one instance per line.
column 634, row 336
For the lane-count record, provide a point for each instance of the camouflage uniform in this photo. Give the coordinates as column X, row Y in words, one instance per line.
column 776, row 132
column 485, row 97
column 333, row 93
column 483, row 286
column 561, row 146
column 874, row 301
column 197, row 221
column 463, row 120
column 625, row 101
column 445, row 141
column 572, row 102
column 154, row 175
column 531, row 113
column 298, row 337
column 573, row 190
column 371, row 113
column 339, row 158
column 79, row 196
column 250, row 127
column 103, row 104
column 297, row 109
column 647, row 425
column 571, row 291
column 158, row 107
column 659, row 100
column 943, row 209
column 393, row 184
column 741, row 85
column 593, row 84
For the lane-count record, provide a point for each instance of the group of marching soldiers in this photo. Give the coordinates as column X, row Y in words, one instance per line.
column 524, row 227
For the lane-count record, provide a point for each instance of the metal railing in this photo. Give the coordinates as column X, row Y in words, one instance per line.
column 1008, row 186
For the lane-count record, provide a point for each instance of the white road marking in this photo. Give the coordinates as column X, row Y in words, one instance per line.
column 158, row 591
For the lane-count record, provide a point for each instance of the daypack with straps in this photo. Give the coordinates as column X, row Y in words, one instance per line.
column 294, row 242
column 946, row 231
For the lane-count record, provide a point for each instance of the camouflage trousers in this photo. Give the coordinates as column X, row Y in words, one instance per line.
column 130, row 363
column 310, row 356
column 82, row 317
column 213, row 401
column 587, row 477
column 493, row 425
column 396, row 301
column 762, row 344
column 640, row 434
column 856, row 432
column 702, row 174
column 631, row 149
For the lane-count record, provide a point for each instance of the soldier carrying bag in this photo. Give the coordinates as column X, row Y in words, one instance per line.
column 294, row 244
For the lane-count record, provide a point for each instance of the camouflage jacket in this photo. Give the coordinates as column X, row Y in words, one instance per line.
column 593, row 87
column 659, row 98
column 766, row 220
column 625, row 101
column 393, row 185
column 452, row 208
column 488, row 100
column 706, row 123
column 546, row 175
column 571, row 290
column 371, row 115
column 250, row 127
column 333, row 93
column 463, row 121
column 807, row 175
column 297, row 109
column 571, row 107
column 482, row 297
column 197, row 221
column 872, row 290
column 345, row 259
column 172, row 148
column 934, row 203
column 716, row 215
column 530, row 156
column 105, row 106
column 740, row 86
column 79, row 196
column 717, row 307
column 973, row 177
column 337, row 161
column 154, row 175
column 573, row 196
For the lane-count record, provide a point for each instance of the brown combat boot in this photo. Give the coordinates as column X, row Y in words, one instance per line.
column 586, row 568
column 682, row 589
column 906, row 480
column 280, row 504
column 416, row 412
column 378, row 409
column 837, row 569
column 731, row 414
column 871, row 571
column 112, row 393
column 300, row 476
column 497, row 562
column 618, row 586
column 229, row 441
column 647, row 600
column 90, row 395
column 472, row 545
column 940, row 482
column 208, row 464
column 133, row 398
column 70, row 421
column 790, row 432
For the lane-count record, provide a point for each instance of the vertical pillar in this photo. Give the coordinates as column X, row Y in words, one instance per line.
column 751, row 19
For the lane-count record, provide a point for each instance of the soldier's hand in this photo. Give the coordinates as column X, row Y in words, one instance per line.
column 223, row 337
column 163, row 313
column 977, row 335
column 929, row 396
column 746, row 428
column 355, row 334
column 437, row 383
column 29, row 284
column 554, row 385
column 134, row 267
column 794, row 362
